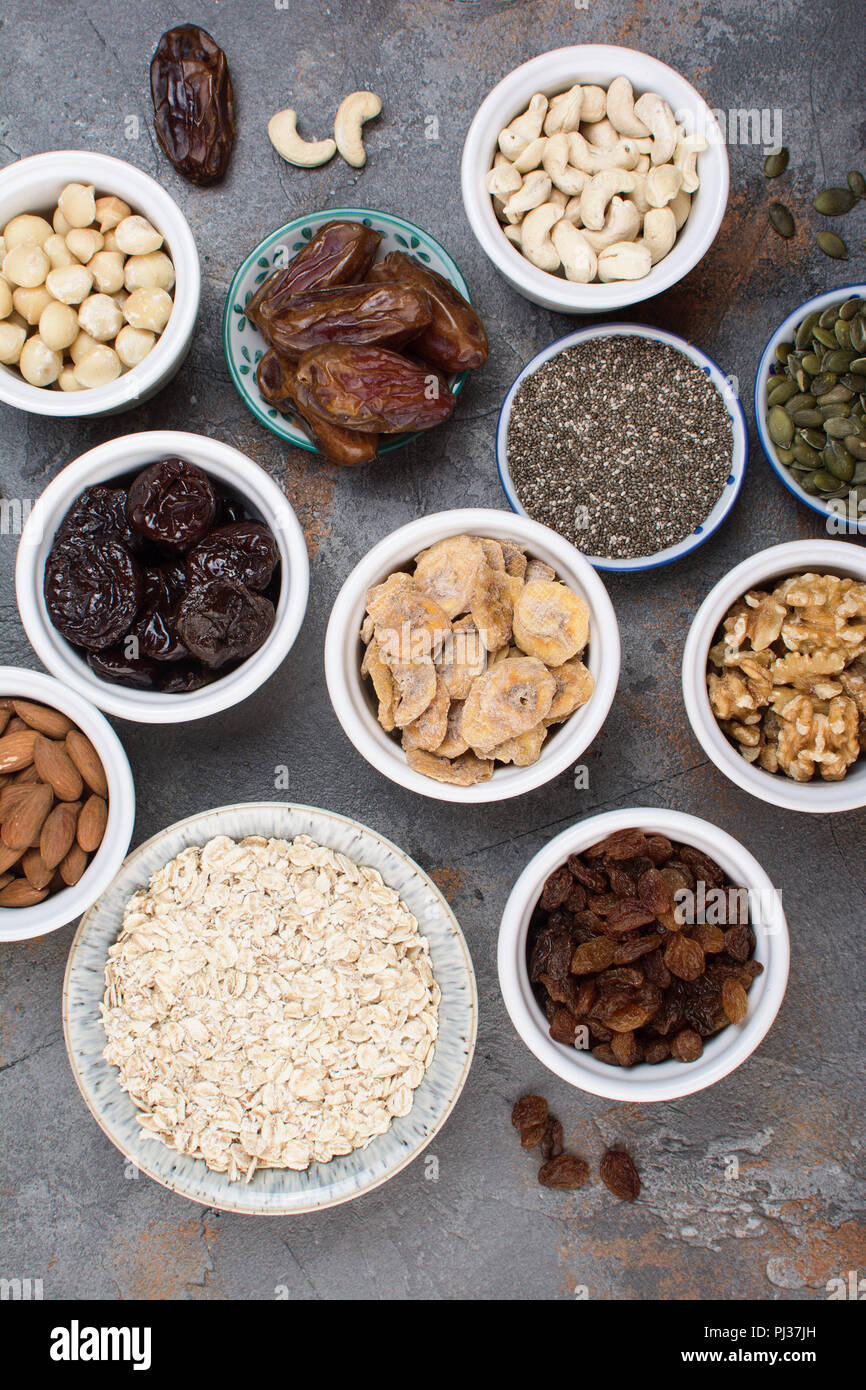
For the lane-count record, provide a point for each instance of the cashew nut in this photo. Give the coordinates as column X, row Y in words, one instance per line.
column 532, row 155
column 514, row 234
column 681, row 206
column 655, row 113
column 600, row 133
column 534, row 191
column 620, row 108
column 622, row 223
column 662, row 184
column 593, row 160
column 594, row 103
column 525, row 128
column 638, row 193
column 659, row 232
column 556, row 163
column 598, row 193
column 578, row 259
column 536, row 243
column 686, row 159
column 352, row 112
column 503, row 179
column 564, row 112
column 557, row 196
column 624, row 260
column 307, row 154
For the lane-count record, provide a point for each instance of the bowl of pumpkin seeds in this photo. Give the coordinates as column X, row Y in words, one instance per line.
column 810, row 406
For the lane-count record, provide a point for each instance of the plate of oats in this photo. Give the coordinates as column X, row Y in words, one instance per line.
column 271, row 1010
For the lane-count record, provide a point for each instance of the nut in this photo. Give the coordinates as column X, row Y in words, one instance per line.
column 87, row 761
column 525, row 128
column 84, row 242
column 58, row 326
column 624, row 260
column 38, row 364
column 98, row 367
column 100, row 317
column 26, row 265
column 77, row 204
column 352, row 113
column 26, row 229
column 150, row 309
column 307, row 154
column 56, row 768
column 91, row 823
column 136, row 237
column 70, row 283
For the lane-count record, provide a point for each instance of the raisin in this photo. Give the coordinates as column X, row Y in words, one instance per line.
column 244, row 552
column 92, row 588
column 593, row 956
column 705, row 870
column 556, row 889
column 591, row 879
column 655, row 893
column 659, row 849
column 604, row 1053
column 172, row 503
column 619, row 1175
column 711, row 939
column 635, row 947
column 657, row 1051
column 529, row 1112
column 687, row 1046
column 620, row 881
column 754, row 968
column 656, row 970
column 576, row 900
column 684, row 957
column 562, row 1027
column 735, row 1001
column 551, row 1143
column 625, row 844
column 628, row 1018
column 221, row 622
column 565, row 1172
column 626, row 916
column 626, row 1049
column 739, row 943
column 585, row 926
column 586, row 995
column 193, row 103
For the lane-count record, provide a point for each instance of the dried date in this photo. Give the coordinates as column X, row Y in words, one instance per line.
column 454, row 340
column 193, row 103
column 372, row 389
column 339, row 253
column 278, row 384
column 387, row 315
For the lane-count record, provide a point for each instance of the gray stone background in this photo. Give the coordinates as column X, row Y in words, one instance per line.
column 71, row 75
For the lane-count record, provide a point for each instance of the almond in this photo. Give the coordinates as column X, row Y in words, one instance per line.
column 16, row 750
column 15, row 725
column 86, row 759
column 25, row 822
column 19, row 893
column 10, row 797
column 55, row 767
column 39, row 875
column 8, row 857
column 58, row 832
column 92, row 823
column 26, row 777
column 5, row 878
column 42, row 719
column 73, row 866
column 5, row 716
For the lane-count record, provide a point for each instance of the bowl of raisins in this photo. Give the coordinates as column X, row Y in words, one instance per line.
column 163, row 575
column 643, row 954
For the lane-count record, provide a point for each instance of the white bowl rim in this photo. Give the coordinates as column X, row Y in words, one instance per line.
column 409, row 540
column 786, row 330
column 739, row 428
column 791, row 557
column 448, row 914
column 668, row 1080
column 106, row 461
column 157, row 204
column 23, row 923
column 648, row 73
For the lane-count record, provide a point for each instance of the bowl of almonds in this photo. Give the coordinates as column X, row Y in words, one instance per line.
column 67, row 804
column 643, row 954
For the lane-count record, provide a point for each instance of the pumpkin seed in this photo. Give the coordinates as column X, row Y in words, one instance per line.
column 785, row 456
column 782, row 352
column 843, row 333
column 823, row 383
column 804, row 400
column 806, row 457
column 858, row 365
column 850, row 308
column 829, row 316
column 860, row 473
column 824, row 481
column 839, row 427
column 856, row 446
column 856, row 182
column 833, row 202
column 854, row 381
column 804, row 332
column 777, row 162
column 825, row 336
column 811, row 363
column 808, row 483
column 837, row 395
column 839, row 466
column 833, row 246
column 858, row 333
column 838, row 361
column 780, row 426
column 781, row 220
column 781, row 389
column 807, row 430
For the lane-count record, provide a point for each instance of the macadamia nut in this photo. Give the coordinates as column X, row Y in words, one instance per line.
column 110, row 211
column 136, row 237
column 30, row 303
column 66, row 380
column 133, row 344
column 70, row 283
column 26, row 265
column 58, row 326
column 150, row 309
column 77, row 202
column 98, row 367
column 60, row 224
column 82, row 346
column 107, row 271
column 100, row 317
column 84, row 242
column 153, row 272
column 12, row 340
column 5, row 299
column 38, row 364
column 26, row 230
column 58, row 252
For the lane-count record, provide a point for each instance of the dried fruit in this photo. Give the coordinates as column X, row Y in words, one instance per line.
column 339, row 253
column 92, row 589
column 565, row 1172
column 387, row 315
column 551, row 1143
column 529, row 1112
column 193, row 102
column 454, row 340
column 172, row 503
column 735, row 1001
column 372, row 389
column 687, row 1046
column 619, row 1175
column 221, row 622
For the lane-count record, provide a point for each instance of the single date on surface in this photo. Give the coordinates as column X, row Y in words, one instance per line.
column 193, row 103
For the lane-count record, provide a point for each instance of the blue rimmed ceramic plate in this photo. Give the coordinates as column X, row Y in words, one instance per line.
column 244, row 345
column 277, row 1192
column 739, row 453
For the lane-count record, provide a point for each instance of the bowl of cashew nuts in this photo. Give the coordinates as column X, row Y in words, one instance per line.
column 594, row 177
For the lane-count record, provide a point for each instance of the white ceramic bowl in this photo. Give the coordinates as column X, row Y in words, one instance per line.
column 556, row 72
column 274, row 1192
column 785, row 334
column 722, row 1053
column 353, row 702
column 129, row 454
column 33, row 185
column 739, row 452
column 21, row 923
column 762, row 571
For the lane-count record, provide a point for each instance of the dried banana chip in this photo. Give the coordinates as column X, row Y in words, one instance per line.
column 550, row 622
column 464, row 771
column 448, row 572
column 493, row 607
column 383, row 684
column 515, row 559
column 574, row 685
column 510, row 698
column 409, row 624
column 493, row 553
column 537, row 569
column 453, row 743
column 524, row 750
column 416, row 687
column 430, row 728
column 367, row 629
column 463, row 657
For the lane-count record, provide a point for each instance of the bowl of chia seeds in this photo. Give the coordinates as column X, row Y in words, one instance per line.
column 810, row 406
column 627, row 441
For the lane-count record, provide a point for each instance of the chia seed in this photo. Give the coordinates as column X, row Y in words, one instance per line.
column 621, row 444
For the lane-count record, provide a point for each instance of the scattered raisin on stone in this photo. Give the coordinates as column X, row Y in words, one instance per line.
column 619, row 1175
column 565, row 1172
column 528, row 1112
column 551, row 1143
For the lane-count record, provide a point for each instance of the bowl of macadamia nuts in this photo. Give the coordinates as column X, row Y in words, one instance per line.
column 99, row 285
column 594, row 177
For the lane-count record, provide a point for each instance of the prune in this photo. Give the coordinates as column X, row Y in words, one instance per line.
column 172, row 503
column 372, row 389
column 183, row 678
column 340, row 253
column 565, row 1172
column 221, row 621
column 389, row 315
column 278, row 384
column 193, row 102
column 163, row 586
column 114, row 665
column 244, row 552
column 619, row 1175
column 92, row 589
column 101, row 511
column 455, row 340
column 157, row 637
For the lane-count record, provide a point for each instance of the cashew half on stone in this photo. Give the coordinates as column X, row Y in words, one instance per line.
column 579, row 261
column 622, row 223
column 593, row 160
column 534, row 191
column 625, row 260
column 564, row 112
column 657, row 115
column 556, row 163
column 598, row 193
column 352, row 112
column 659, row 232
column 536, row 243
column 620, row 109
column 306, row 154
column 688, row 148
column 525, row 128
column 662, row 184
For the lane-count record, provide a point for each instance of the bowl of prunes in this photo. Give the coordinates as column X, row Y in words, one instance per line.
column 163, row 575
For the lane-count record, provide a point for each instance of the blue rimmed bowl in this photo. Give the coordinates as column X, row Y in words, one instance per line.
column 739, row 453
column 766, row 369
column 273, row 1191
column 244, row 345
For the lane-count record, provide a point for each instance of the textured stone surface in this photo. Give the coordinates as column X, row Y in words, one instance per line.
column 72, row 76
